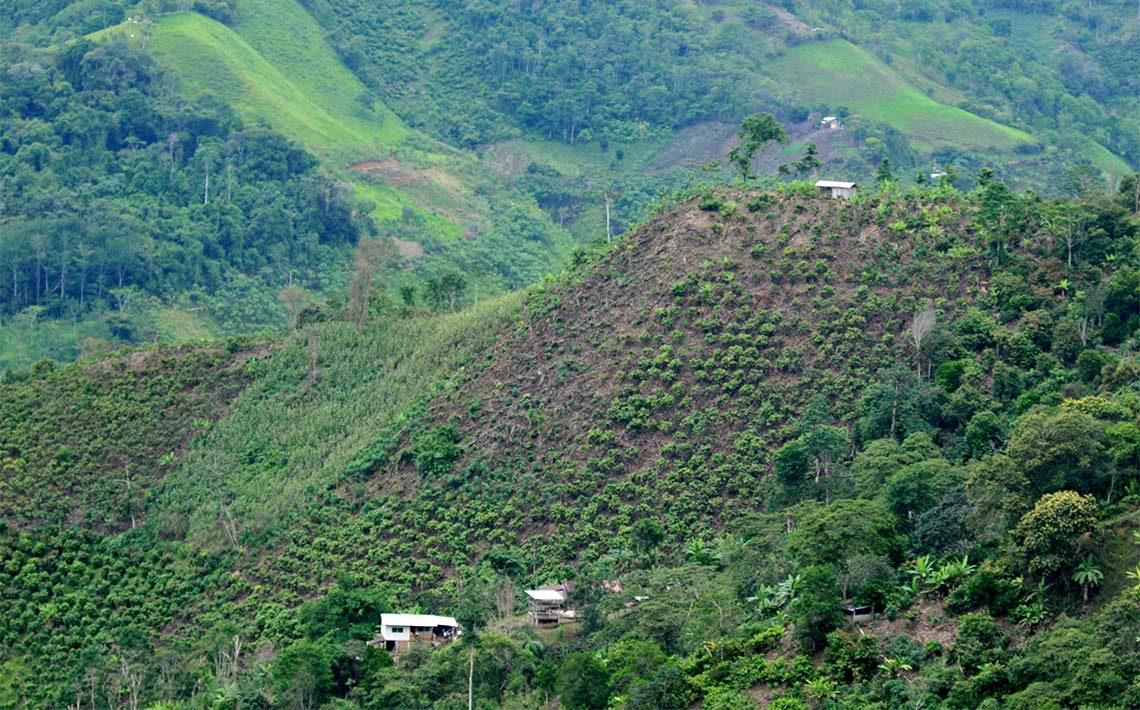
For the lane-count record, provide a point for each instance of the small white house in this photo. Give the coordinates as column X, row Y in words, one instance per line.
column 835, row 189
column 397, row 631
column 830, row 123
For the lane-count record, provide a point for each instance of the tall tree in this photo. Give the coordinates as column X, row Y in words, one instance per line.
column 370, row 254
column 756, row 130
column 1048, row 535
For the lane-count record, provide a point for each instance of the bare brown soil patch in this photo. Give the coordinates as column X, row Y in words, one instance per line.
column 391, row 172
column 407, row 249
column 926, row 621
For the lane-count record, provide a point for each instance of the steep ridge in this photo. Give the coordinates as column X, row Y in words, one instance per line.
column 653, row 383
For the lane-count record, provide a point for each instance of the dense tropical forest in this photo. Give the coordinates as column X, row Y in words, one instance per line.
column 428, row 304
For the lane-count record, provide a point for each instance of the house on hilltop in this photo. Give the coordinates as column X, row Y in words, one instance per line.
column 398, row 631
column 835, row 189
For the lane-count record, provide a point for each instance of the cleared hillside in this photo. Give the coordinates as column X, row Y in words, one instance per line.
column 609, row 420
column 302, row 91
column 871, row 89
column 655, row 382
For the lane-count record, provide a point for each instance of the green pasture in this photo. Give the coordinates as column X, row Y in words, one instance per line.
column 838, row 73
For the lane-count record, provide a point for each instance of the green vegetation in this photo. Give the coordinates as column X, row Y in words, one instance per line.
column 318, row 104
column 751, row 411
column 874, row 92
column 573, row 127
column 789, row 452
column 129, row 210
column 326, row 403
column 100, row 480
column 140, row 208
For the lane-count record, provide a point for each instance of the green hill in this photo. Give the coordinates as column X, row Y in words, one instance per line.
column 741, row 365
column 754, row 411
column 837, row 73
column 302, row 90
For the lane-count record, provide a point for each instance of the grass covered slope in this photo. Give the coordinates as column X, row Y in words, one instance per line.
column 837, row 72
column 274, row 67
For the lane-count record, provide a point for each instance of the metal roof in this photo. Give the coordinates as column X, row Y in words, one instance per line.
column 421, row 620
column 833, row 183
column 546, row 595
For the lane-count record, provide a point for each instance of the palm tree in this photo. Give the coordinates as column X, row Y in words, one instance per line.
column 894, row 666
column 1087, row 575
column 1135, row 574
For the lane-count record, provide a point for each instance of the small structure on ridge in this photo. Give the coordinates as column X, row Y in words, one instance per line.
column 836, row 189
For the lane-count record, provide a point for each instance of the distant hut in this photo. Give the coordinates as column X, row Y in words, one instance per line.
column 830, row 123
column 834, row 189
column 859, row 614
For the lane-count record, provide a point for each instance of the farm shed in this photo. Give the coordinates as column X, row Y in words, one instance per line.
column 835, row 189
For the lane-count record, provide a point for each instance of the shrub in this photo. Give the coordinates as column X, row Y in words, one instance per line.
column 436, row 451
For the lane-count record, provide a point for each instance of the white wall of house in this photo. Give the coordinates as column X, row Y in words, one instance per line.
column 396, row 633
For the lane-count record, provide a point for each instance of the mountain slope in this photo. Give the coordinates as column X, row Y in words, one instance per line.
column 326, row 117
column 655, row 382
column 876, row 92
column 311, row 98
column 669, row 391
column 274, row 66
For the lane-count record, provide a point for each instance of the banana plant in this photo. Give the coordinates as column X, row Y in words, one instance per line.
column 893, row 666
column 924, row 571
column 1087, row 575
column 1135, row 575
column 953, row 572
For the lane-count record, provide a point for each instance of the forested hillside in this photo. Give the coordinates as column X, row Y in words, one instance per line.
column 613, row 72
column 750, row 411
column 432, row 303
column 135, row 194
column 479, row 143
column 118, row 191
